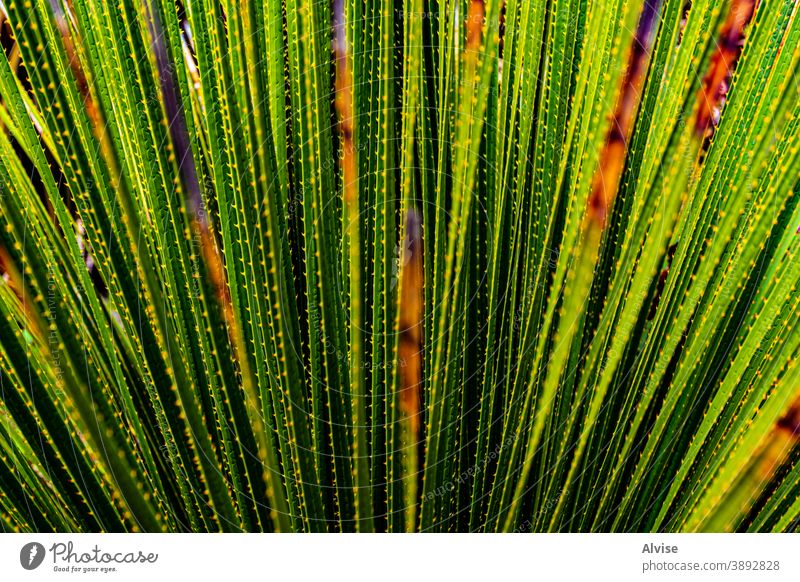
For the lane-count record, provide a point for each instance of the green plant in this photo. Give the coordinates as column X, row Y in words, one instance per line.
column 464, row 265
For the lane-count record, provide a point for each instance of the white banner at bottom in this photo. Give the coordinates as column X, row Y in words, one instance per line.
column 406, row 558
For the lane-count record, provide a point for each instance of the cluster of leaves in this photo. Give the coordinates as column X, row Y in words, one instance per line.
column 424, row 265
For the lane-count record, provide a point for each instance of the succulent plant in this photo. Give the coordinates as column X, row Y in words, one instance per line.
column 417, row 265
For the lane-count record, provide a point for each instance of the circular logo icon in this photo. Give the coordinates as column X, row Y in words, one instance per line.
column 31, row 555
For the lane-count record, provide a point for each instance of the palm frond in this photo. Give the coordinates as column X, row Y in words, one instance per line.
column 454, row 265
